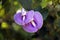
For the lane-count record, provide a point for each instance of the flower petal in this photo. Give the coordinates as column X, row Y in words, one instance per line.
column 29, row 28
column 29, row 16
column 38, row 19
column 18, row 20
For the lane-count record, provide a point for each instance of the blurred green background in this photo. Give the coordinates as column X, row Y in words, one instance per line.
column 50, row 9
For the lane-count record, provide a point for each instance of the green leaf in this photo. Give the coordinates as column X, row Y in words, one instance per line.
column 57, row 7
column 2, row 12
column 0, row 6
column 17, row 5
column 4, row 25
column 45, row 2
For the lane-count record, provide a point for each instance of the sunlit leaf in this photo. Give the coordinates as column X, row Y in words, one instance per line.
column 57, row 7
column 15, row 3
column 2, row 12
column 50, row 3
column 0, row 6
column 45, row 2
column 4, row 25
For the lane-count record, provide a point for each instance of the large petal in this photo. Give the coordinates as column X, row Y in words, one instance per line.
column 18, row 20
column 29, row 28
column 38, row 19
column 29, row 16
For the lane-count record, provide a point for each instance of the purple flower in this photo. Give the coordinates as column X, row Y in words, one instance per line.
column 23, row 17
column 31, row 21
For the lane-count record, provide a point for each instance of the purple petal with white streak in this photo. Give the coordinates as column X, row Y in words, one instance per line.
column 29, row 28
column 38, row 19
column 18, row 20
column 29, row 16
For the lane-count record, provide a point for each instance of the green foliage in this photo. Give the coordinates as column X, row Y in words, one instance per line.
column 0, row 6
column 57, row 7
column 1, row 36
column 44, row 3
column 2, row 12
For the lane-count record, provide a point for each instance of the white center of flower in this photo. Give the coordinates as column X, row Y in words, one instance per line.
column 23, row 18
column 33, row 23
column 23, row 11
